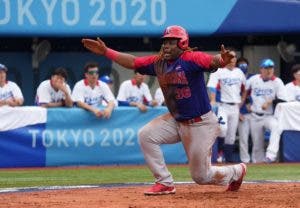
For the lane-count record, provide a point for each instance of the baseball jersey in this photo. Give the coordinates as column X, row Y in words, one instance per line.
column 10, row 90
column 230, row 83
column 159, row 96
column 130, row 92
column 293, row 91
column 84, row 93
column 182, row 82
column 264, row 90
column 47, row 94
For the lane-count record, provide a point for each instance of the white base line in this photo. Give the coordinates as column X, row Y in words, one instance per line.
column 43, row 188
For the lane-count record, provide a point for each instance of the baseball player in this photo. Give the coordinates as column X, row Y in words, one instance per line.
column 90, row 92
column 244, row 117
column 230, row 81
column 10, row 93
column 264, row 89
column 180, row 75
column 293, row 88
column 135, row 92
column 55, row 92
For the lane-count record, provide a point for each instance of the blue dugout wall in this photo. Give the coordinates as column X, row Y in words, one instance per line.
column 77, row 137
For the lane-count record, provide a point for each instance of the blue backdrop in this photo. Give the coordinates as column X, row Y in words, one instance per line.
column 146, row 17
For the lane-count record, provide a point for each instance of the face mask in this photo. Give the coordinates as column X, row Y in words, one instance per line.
column 243, row 67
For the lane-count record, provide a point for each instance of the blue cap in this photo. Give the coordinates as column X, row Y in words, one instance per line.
column 3, row 67
column 267, row 63
column 106, row 79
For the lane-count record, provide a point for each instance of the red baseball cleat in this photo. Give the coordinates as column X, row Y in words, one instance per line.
column 235, row 185
column 160, row 189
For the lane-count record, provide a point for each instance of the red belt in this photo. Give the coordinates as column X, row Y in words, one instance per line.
column 193, row 120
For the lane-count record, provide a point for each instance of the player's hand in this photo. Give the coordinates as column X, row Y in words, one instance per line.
column 97, row 113
column 11, row 102
column 106, row 113
column 226, row 55
column 266, row 105
column 61, row 85
column 154, row 103
column 241, row 117
column 142, row 107
column 95, row 46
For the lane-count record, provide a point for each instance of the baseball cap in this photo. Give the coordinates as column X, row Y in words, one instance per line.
column 3, row 67
column 106, row 79
column 267, row 63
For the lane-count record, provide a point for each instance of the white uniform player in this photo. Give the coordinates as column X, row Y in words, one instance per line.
column 135, row 92
column 55, row 92
column 264, row 87
column 244, row 121
column 293, row 88
column 293, row 91
column 90, row 93
column 10, row 93
column 231, row 82
column 47, row 94
column 92, row 96
column 159, row 97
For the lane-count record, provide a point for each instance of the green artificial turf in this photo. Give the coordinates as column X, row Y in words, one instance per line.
column 121, row 174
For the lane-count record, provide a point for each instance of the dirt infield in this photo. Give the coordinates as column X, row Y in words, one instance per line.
column 188, row 195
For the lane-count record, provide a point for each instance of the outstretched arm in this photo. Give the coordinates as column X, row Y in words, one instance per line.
column 98, row 47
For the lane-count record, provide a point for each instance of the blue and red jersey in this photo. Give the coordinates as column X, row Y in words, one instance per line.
column 182, row 82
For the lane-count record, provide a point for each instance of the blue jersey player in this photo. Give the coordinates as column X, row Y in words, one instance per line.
column 180, row 73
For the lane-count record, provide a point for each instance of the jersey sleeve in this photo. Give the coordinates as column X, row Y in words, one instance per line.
column 145, row 64
column 281, row 90
column 107, row 94
column 289, row 96
column 243, row 81
column 43, row 95
column 147, row 94
column 17, row 93
column 248, row 83
column 159, row 97
column 200, row 59
column 77, row 94
column 213, row 80
column 122, row 95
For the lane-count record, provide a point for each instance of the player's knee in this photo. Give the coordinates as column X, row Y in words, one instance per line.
column 143, row 134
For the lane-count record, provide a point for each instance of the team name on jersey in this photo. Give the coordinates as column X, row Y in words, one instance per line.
column 133, row 99
column 6, row 95
column 177, row 77
column 93, row 100
column 262, row 92
column 230, row 81
column 55, row 97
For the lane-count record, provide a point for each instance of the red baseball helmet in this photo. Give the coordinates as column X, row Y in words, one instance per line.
column 179, row 32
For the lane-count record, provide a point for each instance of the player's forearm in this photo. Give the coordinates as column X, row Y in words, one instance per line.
column 51, row 105
column 217, row 62
column 68, row 101
column 212, row 97
column 16, row 102
column 85, row 106
column 124, row 59
column 110, row 105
